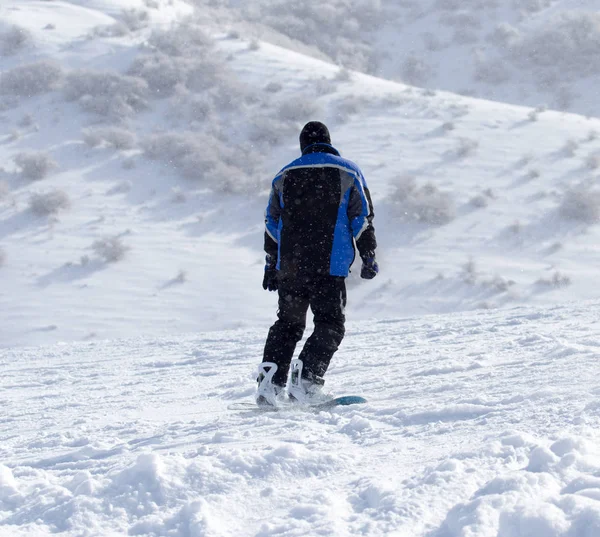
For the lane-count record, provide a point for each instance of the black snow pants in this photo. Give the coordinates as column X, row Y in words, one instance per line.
column 326, row 296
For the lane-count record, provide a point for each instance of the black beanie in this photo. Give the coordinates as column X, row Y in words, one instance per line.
column 314, row 132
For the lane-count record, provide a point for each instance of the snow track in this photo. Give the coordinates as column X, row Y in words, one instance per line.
column 477, row 424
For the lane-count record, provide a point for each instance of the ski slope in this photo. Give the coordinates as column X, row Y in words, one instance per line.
column 483, row 424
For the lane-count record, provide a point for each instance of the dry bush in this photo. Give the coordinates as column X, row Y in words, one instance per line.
column 330, row 27
column 202, row 158
column 570, row 147
column 568, row 44
column 593, row 162
column 13, row 39
column 135, row 19
column 31, row 79
column 492, row 72
column 47, row 203
column 35, row 165
column 581, row 204
column 557, row 281
column 163, row 73
column 182, row 40
column 106, row 93
column 425, row 204
column 299, row 109
column 479, row 201
column 415, row 70
column 114, row 137
column 110, row 249
column 466, row 147
column 267, row 131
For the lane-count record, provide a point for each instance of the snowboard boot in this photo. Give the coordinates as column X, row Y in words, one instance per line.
column 267, row 393
column 305, row 391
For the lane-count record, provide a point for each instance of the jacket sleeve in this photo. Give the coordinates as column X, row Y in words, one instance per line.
column 361, row 214
column 272, row 216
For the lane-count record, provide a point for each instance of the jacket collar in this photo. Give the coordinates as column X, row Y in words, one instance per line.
column 320, row 148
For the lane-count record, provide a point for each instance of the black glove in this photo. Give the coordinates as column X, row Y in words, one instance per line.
column 270, row 278
column 369, row 268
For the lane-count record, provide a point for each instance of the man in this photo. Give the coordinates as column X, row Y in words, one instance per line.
column 318, row 210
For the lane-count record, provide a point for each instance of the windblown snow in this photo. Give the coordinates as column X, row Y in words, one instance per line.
column 137, row 144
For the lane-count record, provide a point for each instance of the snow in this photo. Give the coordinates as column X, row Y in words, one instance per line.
column 132, row 321
column 136, row 436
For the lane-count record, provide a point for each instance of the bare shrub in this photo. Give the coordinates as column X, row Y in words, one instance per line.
column 424, row 204
column 26, row 121
column 182, row 40
column 505, row 36
column 13, row 39
column 35, row 165
column 556, row 281
column 114, row 137
column 350, row 105
column 343, row 75
column 469, row 272
column 118, row 29
column 164, row 73
column 47, row 203
column 273, row 87
column 31, row 79
column 415, row 70
column 466, row 147
column 534, row 114
column 298, row 109
column 135, row 19
column 491, row 72
column 570, row 147
column 110, row 249
column 568, row 44
column 515, row 228
column 330, row 27
column 581, row 204
column 265, row 130
column 202, row 158
column 480, row 201
column 499, row 284
column 432, row 42
column 593, row 162
column 106, row 93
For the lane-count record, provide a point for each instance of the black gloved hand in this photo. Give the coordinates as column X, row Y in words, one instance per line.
column 369, row 268
column 270, row 278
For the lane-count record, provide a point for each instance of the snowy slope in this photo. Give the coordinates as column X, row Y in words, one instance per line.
column 483, row 424
column 479, row 204
column 527, row 52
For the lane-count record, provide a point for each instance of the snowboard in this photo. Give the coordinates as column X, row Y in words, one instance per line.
column 344, row 400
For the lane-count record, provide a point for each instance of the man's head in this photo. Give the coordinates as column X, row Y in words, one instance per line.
column 314, row 132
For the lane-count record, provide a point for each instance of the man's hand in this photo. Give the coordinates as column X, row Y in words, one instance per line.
column 369, row 268
column 270, row 278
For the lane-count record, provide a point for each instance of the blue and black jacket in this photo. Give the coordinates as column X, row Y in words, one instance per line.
column 318, row 210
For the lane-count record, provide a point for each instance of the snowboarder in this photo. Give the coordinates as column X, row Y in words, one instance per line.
column 318, row 210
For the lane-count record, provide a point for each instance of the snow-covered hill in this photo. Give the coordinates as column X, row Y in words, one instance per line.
column 137, row 155
column 528, row 52
column 483, row 424
column 137, row 143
